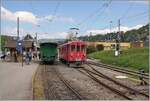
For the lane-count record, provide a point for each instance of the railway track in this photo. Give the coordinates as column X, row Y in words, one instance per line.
column 65, row 82
column 122, row 70
column 68, row 85
column 47, row 85
column 93, row 72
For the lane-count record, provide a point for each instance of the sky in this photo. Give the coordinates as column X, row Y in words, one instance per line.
column 54, row 18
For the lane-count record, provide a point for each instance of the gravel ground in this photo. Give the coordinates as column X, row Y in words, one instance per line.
column 88, row 88
column 54, row 87
column 127, row 82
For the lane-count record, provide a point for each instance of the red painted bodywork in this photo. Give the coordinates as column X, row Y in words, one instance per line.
column 66, row 53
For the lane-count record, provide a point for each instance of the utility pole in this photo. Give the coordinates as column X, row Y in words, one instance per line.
column 36, row 46
column 110, row 30
column 117, row 51
column 18, row 28
column 110, row 26
column 18, row 41
column 119, row 30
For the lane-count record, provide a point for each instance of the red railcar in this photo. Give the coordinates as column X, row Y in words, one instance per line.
column 73, row 52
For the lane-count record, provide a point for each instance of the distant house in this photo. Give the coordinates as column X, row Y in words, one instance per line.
column 109, row 45
column 137, row 44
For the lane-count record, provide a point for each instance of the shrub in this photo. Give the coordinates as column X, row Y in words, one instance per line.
column 91, row 49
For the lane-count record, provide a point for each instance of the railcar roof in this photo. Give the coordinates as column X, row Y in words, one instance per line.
column 72, row 42
column 49, row 43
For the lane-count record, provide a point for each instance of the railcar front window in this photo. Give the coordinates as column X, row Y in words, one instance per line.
column 78, row 48
column 73, row 48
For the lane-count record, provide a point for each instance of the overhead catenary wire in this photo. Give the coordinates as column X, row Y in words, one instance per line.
column 107, row 5
column 94, row 13
column 117, row 20
column 55, row 12
column 127, row 11
column 135, row 16
column 124, row 17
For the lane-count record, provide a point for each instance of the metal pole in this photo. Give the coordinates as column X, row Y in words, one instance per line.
column 22, row 56
column 119, row 29
column 119, row 35
column 36, row 46
column 109, row 36
column 117, row 51
column 110, row 26
column 17, row 27
column 18, row 39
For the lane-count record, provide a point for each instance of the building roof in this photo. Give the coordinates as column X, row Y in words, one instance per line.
column 13, row 44
column 28, row 37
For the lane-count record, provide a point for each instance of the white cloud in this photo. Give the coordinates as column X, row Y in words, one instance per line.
column 24, row 16
column 29, row 17
column 12, row 31
column 55, row 35
column 23, row 32
column 105, row 31
column 64, row 19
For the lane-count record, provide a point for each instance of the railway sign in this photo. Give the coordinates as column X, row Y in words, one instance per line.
column 19, row 46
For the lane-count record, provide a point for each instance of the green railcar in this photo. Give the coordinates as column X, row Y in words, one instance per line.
column 48, row 52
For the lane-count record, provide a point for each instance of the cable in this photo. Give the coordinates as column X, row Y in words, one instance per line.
column 107, row 5
column 136, row 15
column 127, row 11
column 55, row 12
column 92, row 14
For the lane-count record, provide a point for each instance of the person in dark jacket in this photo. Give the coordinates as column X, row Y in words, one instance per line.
column 27, row 61
column 15, row 56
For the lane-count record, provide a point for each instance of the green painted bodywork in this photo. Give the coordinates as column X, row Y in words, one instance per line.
column 48, row 52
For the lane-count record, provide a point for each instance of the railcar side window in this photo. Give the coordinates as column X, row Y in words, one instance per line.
column 83, row 48
column 78, row 48
column 73, row 48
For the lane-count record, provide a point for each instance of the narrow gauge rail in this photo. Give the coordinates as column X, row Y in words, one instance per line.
column 114, row 68
column 46, row 84
column 68, row 85
column 95, row 72
column 90, row 75
column 122, row 85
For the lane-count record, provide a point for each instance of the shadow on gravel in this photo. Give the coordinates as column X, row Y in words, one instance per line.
column 77, row 67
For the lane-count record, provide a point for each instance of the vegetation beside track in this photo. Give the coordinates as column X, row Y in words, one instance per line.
column 134, row 58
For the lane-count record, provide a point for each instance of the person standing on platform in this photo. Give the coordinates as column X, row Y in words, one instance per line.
column 15, row 56
column 30, row 55
column 27, row 59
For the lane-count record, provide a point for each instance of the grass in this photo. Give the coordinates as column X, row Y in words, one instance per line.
column 134, row 58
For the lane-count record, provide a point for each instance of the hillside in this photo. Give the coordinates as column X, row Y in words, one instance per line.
column 129, row 36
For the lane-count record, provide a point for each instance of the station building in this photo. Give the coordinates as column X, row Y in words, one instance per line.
column 10, row 46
